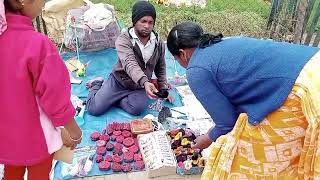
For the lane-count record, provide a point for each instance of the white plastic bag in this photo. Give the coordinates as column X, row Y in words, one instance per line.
column 54, row 14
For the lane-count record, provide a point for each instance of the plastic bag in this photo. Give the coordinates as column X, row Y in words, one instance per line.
column 82, row 163
column 94, row 32
column 54, row 14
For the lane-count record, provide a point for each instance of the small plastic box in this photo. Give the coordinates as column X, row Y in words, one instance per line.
column 141, row 126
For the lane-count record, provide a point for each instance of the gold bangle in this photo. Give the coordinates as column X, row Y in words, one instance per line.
column 76, row 140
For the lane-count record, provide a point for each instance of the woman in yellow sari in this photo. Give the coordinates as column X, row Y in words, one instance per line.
column 264, row 98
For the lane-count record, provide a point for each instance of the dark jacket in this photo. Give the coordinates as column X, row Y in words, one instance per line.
column 131, row 70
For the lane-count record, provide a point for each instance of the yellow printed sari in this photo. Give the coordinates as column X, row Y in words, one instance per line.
column 285, row 145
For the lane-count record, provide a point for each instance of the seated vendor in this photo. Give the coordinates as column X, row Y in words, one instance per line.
column 140, row 54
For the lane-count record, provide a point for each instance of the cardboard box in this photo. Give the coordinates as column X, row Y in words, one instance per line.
column 157, row 154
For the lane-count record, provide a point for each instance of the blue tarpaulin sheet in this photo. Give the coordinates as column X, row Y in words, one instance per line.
column 100, row 64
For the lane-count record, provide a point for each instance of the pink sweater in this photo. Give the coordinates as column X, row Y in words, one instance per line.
column 34, row 87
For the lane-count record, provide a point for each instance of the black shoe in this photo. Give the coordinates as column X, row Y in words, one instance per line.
column 163, row 114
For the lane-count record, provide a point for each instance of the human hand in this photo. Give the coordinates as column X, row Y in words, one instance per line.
column 71, row 134
column 66, row 139
column 150, row 90
column 202, row 142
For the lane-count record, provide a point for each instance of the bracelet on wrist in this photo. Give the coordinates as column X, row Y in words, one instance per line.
column 76, row 140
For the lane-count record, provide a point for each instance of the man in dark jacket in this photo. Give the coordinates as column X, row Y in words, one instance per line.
column 140, row 54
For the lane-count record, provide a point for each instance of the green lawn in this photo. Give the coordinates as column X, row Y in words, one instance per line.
column 231, row 17
column 257, row 6
column 313, row 12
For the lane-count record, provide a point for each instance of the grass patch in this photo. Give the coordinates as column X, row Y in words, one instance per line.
column 312, row 16
column 231, row 17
